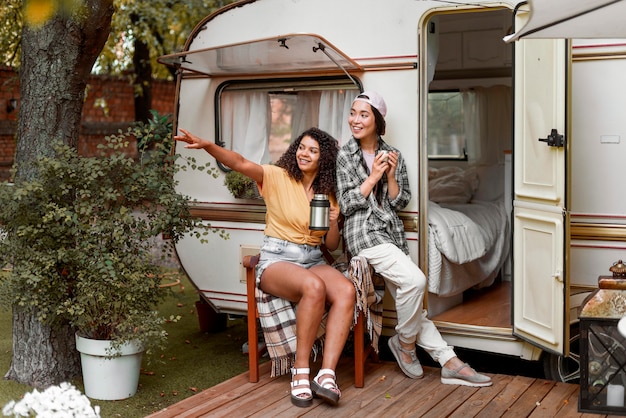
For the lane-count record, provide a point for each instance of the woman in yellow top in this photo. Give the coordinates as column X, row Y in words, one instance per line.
column 291, row 265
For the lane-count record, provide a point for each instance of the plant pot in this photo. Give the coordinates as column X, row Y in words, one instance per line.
column 106, row 377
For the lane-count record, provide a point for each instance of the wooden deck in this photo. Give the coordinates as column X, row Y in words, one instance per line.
column 387, row 392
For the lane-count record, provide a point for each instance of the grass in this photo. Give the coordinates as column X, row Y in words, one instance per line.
column 192, row 362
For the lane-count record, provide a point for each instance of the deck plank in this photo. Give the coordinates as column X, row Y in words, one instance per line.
column 216, row 396
column 353, row 399
column 388, row 387
column 502, row 402
column 556, row 399
column 387, row 392
column 393, row 401
column 481, row 398
column 530, row 399
column 429, row 397
column 451, row 403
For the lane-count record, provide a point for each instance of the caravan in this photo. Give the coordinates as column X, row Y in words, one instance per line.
column 513, row 151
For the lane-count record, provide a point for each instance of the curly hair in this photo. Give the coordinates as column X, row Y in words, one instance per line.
column 326, row 177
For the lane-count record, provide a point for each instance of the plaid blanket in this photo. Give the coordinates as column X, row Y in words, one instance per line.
column 278, row 316
column 278, row 321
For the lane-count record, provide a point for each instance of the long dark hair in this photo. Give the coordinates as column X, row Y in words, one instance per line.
column 381, row 125
column 326, row 176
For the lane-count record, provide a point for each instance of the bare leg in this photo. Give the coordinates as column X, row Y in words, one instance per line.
column 313, row 290
column 301, row 286
column 341, row 297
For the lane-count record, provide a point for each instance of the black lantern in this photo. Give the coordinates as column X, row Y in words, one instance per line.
column 603, row 347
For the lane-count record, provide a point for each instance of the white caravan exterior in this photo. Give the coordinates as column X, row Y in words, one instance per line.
column 540, row 133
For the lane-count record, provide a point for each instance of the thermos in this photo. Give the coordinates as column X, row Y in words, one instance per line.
column 319, row 219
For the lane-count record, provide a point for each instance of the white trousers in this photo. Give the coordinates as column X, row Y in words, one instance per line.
column 406, row 283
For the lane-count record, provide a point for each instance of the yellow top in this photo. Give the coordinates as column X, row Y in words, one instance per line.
column 287, row 215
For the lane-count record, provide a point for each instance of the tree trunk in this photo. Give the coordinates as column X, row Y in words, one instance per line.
column 42, row 356
column 57, row 59
column 143, row 81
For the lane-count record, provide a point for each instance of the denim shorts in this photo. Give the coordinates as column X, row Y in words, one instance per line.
column 275, row 249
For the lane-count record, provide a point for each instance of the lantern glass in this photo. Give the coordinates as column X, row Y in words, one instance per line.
column 602, row 367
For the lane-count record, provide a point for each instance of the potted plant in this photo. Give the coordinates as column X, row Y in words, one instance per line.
column 80, row 237
column 241, row 186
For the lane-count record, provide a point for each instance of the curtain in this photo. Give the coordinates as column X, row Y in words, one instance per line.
column 246, row 118
column 487, row 119
column 333, row 113
column 245, row 124
column 305, row 113
column 328, row 110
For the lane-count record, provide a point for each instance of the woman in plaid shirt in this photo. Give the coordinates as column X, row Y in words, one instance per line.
column 372, row 186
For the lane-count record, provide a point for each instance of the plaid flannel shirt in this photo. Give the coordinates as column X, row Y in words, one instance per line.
column 368, row 223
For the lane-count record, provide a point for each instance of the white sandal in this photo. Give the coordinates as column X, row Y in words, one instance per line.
column 327, row 389
column 301, row 396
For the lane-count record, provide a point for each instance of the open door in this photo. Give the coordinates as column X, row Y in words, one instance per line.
column 540, row 209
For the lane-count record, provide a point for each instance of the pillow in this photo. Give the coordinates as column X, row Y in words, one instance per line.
column 452, row 184
column 491, row 183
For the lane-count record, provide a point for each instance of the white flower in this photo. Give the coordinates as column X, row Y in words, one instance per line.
column 63, row 400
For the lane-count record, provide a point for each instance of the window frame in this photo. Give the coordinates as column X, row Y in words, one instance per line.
column 447, row 157
column 277, row 86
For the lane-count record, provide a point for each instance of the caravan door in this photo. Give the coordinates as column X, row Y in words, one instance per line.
column 540, row 209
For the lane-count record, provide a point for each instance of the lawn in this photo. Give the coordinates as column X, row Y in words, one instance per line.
column 192, row 362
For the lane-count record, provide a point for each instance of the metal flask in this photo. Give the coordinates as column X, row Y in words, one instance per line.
column 319, row 219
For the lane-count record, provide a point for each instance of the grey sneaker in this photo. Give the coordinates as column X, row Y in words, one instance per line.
column 453, row 377
column 413, row 369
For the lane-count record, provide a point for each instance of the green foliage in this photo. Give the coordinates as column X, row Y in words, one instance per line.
column 156, row 135
column 241, row 186
column 161, row 127
column 10, row 32
column 80, row 238
column 163, row 25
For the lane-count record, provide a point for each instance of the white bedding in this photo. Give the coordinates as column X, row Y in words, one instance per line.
column 468, row 244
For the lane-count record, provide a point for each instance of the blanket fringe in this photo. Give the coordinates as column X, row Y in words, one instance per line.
column 369, row 296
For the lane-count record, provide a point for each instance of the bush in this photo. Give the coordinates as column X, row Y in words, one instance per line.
column 78, row 238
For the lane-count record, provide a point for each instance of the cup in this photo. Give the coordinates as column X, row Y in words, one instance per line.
column 319, row 218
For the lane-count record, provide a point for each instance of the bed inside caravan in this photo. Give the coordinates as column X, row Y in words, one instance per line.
column 469, row 141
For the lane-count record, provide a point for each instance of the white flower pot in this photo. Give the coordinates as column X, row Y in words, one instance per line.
column 109, row 378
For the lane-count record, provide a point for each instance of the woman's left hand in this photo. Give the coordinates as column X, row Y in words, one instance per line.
column 392, row 163
column 334, row 215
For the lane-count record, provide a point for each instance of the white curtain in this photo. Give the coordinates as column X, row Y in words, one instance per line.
column 245, row 117
column 305, row 113
column 487, row 117
column 328, row 110
column 333, row 114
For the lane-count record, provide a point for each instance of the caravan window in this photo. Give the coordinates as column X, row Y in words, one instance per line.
column 472, row 125
column 259, row 120
column 446, row 133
